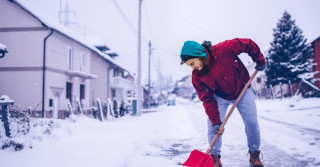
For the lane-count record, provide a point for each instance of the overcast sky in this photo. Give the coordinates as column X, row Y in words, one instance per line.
column 168, row 23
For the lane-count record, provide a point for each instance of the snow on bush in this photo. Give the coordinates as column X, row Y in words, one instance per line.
column 24, row 130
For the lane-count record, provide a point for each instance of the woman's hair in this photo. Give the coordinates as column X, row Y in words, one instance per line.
column 203, row 59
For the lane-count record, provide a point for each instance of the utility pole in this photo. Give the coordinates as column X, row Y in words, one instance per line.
column 139, row 63
column 149, row 77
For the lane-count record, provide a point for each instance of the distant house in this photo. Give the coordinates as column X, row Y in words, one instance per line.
column 48, row 66
column 316, row 48
column 258, row 83
column 306, row 88
column 119, row 85
column 184, row 88
column 130, row 78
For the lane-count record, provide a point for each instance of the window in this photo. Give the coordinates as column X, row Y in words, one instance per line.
column 122, row 74
column 114, row 72
column 83, row 62
column 70, row 59
column 82, row 91
column 113, row 93
column 258, row 80
column 50, row 102
column 69, row 91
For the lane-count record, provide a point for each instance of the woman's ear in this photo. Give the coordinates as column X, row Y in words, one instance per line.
column 203, row 59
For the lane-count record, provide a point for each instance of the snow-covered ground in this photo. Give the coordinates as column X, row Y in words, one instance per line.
column 165, row 137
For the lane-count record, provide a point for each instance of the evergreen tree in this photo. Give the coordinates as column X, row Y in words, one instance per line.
column 289, row 57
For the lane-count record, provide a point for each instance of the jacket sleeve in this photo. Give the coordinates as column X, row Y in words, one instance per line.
column 237, row 46
column 206, row 95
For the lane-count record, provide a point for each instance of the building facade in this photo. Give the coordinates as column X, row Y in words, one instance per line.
column 316, row 50
column 48, row 66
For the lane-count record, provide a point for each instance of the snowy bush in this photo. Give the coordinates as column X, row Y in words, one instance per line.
column 24, row 130
column 19, row 124
column 10, row 143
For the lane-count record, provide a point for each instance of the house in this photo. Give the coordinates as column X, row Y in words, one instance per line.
column 316, row 49
column 49, row 66
column 117, row 81
column 258, row 83
column 184, row 88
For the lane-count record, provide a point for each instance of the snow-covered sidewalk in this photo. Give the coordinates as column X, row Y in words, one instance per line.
column 136, row 141
column 167, row 136
column 292, row 126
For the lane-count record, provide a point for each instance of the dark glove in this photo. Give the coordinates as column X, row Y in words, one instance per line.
column 216, row 128
column 261, row 68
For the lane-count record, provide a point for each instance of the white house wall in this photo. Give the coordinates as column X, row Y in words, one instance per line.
column 58, row 66
column 18, row 18
column 98, row 88
column 20, row 69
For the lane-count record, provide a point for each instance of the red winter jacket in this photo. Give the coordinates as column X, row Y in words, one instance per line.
column 225, row 74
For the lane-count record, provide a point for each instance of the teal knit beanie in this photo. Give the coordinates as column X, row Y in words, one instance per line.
column 192, row 49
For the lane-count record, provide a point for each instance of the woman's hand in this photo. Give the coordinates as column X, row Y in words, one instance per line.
column 217, row 129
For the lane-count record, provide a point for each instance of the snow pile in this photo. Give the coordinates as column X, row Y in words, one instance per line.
column 165, row 137
column 82, row 141
column 292, row 125
column 302, row 112
column 27, row 133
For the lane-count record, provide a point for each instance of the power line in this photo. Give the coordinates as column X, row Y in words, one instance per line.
column 124, row 16
column 167, row 51
column 189, row 21
column 123, row 19
column 132, row 27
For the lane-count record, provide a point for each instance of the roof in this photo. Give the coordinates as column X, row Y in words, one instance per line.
column 51, row 23
column 315, row 40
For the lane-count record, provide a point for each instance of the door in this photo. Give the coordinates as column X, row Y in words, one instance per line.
column 56, row 107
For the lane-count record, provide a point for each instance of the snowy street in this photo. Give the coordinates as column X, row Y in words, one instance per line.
column 118, row 83
column 290, row 137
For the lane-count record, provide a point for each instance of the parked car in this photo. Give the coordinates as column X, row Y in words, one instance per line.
column 171, row 99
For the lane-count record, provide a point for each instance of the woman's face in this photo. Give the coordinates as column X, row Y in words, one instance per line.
column 195, row 63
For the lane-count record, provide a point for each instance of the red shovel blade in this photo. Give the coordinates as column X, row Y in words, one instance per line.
column 198, row 159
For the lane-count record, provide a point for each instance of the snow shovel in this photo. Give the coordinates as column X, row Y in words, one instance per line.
column 200, row 159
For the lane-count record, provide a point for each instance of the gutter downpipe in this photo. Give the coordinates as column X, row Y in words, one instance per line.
column 44, row 69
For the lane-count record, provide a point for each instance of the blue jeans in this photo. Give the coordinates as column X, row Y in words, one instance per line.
column 248, row 111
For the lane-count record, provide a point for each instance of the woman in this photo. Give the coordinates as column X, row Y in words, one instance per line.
column 218, row 76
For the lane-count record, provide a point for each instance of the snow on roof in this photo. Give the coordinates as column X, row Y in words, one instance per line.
column 57, row 26
column 95, row 40
column 3, row 47
column 316, row 39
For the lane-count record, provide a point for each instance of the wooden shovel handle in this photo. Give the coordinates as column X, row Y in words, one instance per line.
column 231, row 110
